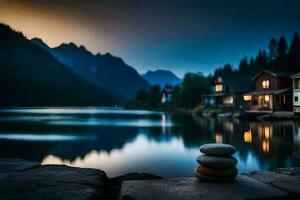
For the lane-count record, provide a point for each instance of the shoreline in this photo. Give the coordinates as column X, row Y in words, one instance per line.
column 21, row 179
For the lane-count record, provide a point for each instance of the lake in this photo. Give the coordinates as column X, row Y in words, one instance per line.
column 123, row 141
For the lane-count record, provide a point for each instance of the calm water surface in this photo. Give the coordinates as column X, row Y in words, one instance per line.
column 122, row 141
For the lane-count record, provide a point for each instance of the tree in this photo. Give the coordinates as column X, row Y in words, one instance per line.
column 294, row 53
column 192, row 88
column 273, row 45
column 244, row 66
column 154, row 96
column 142, row 96
column 282, row 47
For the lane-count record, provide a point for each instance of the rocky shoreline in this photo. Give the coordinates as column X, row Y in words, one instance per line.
column 20, row 179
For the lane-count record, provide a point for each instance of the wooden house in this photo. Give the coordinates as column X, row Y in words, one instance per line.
column 273, row 92
column 227, row 91
column 296, row 93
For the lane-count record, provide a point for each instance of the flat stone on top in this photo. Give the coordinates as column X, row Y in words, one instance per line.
column 215, row 149
column 217, row 162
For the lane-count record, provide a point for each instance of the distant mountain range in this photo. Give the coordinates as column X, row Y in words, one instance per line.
column 32, row 74
column 161, row 77
column 103, row 70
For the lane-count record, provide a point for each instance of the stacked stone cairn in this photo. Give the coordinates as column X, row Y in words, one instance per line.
column 217, row 163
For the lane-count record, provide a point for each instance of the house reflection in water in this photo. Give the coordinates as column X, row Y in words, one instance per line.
column 219, row 138
column 271, row 138
column 248, row 136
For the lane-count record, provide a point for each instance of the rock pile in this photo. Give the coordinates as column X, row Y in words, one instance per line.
column 217, row 164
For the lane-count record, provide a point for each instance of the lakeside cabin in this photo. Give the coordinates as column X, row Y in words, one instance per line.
column 273, row 92
column 227, row 91
column 296, row 93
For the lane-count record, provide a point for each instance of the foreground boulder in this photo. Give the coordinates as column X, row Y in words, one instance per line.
column 21, row 179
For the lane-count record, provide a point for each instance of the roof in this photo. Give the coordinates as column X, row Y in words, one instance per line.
column 215, row 95
column 296, row 75
column 282, row 74
column 239, row 83
column 269, row 92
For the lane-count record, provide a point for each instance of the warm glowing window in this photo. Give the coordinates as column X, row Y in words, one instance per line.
column 266, row 84
column 219, row 138
column 247, row 97
column 267, row 98
column 219, row 88
column 228, row 100
column 248, row 137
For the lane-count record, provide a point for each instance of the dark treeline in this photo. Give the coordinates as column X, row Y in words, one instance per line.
column 187, row 94
column 280, row 56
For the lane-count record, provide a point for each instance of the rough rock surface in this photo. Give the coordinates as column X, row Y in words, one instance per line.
column 214, row 149
column 190, row 188
column 21, row 179
column 252, row 185
column 289, row 183
column 206, row 178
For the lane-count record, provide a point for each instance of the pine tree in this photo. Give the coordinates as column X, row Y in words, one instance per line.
column 273, row 49
column 244, row 66
column 282, row 47
column 294, row 53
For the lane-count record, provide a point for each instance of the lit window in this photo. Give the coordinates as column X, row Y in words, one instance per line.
column 266, row 84
column 219, row 88
column 247, row 97
column 267, row 98
column 228, row 100
column 248, row 137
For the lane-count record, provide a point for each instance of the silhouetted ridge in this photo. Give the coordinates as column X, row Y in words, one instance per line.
column 30, row 76
column 103, row 70
column 161, row 77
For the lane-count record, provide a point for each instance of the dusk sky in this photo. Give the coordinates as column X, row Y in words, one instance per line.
column 179, row 35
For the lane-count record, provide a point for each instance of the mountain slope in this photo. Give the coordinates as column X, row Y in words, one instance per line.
column 30, row 76
column 104, row 70
column 161, row 77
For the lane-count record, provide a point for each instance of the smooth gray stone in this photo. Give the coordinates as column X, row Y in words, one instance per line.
column 217, row 172
column 204, row 178
column 215, row 149
column 49, row 182
column 217, row 162
column 191, row 189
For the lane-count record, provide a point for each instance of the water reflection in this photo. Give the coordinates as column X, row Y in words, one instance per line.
column 120, row 142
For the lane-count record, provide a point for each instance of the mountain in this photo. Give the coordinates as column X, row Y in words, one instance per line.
column 161, row 77
column 103, row 70
column 30, row 76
